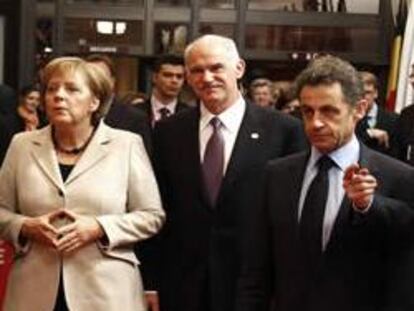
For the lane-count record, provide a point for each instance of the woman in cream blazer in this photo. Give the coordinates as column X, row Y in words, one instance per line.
column 74, row 199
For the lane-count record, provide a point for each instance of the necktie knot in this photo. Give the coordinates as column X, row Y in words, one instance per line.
column 215, row 123
column 325, row 163
column 164, row 113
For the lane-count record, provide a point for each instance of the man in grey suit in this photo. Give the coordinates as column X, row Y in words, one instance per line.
column 209, row 161
column 334, row 231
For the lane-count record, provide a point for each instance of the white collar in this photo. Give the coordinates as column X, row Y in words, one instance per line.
column 231, row 118
column 157, row 105
column 343, row 157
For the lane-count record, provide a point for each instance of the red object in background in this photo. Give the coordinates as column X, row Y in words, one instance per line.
column 5, row 264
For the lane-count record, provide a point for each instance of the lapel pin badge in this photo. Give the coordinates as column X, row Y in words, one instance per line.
column 254, row 135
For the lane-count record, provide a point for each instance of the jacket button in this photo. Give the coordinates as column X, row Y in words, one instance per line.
column 60, row 193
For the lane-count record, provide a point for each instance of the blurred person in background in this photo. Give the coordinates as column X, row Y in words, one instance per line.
column 28, row 116
column 377, row 127
column 287, row 102
column 260, row 91
column 403, row 143
column 133, row 98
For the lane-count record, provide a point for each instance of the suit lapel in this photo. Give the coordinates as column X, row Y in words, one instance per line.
column 245, row 149
column 294, row 179
column 95, row 152
column 194, row 147
column 44, row 155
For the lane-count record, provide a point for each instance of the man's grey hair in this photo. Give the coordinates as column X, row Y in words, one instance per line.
column 328, row 70
column 211, row 40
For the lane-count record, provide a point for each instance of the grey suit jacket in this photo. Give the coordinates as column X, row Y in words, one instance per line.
column 113, row 181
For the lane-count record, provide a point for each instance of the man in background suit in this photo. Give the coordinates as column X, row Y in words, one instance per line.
column 207, row 220
column 403, row 145
column 349, row 249
column 167, row 82
column 119, row 115
column 376, row 128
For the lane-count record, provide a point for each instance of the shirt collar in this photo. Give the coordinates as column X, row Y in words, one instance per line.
column 157, row 105
column 231, row 118
column 343, row 157
column 373, row 111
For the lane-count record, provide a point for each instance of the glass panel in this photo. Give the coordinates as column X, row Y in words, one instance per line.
column 226, row 30
column 106, row 2
column 174, row 3
column 343, row 6
column 170, row 38
column 297, row 38
column 218, row 4
column 90, row 32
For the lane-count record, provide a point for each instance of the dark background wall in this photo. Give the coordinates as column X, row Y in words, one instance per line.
column 10, row 10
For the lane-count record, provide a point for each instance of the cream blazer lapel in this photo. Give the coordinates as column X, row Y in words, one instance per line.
column 44, row 155
column 98, row 149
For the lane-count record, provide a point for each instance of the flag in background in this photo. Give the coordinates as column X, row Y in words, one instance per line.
column 400, row 22
column 404, row 90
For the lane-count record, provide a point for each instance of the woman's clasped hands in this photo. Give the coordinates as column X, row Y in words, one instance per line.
column 63, row 230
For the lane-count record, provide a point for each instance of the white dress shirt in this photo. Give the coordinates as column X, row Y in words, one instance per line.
column 343, row 157
column 231, row 119
column 156, row 105
column 372, row 116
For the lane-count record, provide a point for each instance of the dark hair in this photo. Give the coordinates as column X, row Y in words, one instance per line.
column 27, row 89
column 102, row 58
column 328, row 70
column 286, row 95
column 260, row 82
column 168, row 59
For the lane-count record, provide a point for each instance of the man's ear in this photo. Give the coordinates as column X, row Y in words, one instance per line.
column 360, row 109
column 240, row 68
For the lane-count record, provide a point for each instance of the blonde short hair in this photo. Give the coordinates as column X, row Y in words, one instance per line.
column 96, row 79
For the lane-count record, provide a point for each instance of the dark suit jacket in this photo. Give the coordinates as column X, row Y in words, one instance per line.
column 148, row 251
column 404, row 135
column 146, row 108
column 367, row 260
column 8, row 100
column 385, row 121
column 201, row 243
column 11, row 124
column 124, row 117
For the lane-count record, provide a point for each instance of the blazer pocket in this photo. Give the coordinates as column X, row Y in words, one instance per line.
column 121, row 254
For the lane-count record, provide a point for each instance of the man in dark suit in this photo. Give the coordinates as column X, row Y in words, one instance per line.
column 209, row 160
column 334, row 231
column 8, row 100
column 403, row 144
column 167, row 82
column 120, row 115
column 376, row 128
